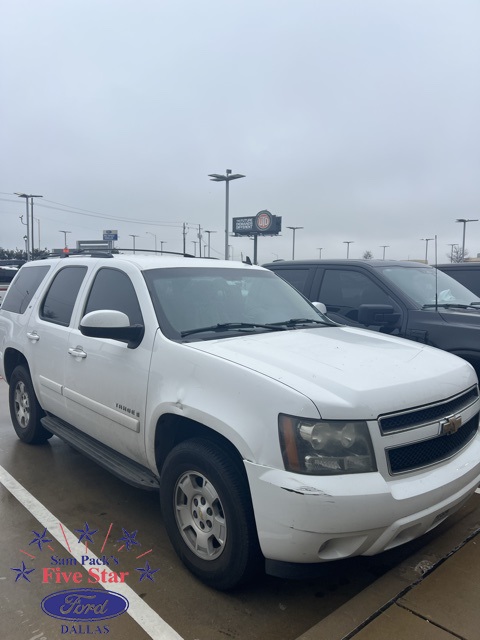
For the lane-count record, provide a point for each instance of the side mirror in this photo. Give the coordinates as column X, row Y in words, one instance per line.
column 321, row 307
column 114, row 325
column 378, row 315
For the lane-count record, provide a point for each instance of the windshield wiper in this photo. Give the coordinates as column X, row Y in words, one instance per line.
column 296, row 322
column 234, row 326
column 452, row 305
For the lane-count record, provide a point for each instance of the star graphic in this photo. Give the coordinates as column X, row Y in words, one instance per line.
column 40, row 539
column 86, row 533
column 147, row 572
column 22, row 572
column 129, row 539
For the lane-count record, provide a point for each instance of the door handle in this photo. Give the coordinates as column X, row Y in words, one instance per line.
column 33, row 336
column 77, row 352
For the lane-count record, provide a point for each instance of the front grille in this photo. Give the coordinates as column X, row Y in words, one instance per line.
column 425, row 415
column 427, row 452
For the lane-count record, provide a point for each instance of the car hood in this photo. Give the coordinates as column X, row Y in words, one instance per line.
column 344, row 369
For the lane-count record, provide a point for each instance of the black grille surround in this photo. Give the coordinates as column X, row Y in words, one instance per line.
column 418, row 416
column 427, row 452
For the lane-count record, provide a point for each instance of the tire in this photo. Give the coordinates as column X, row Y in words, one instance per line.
column 208, row 514
column 25, row 410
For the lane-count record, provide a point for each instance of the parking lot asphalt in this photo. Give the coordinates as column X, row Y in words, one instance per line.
column 51, row 496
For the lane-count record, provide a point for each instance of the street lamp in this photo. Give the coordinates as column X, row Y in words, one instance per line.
column 194, row 242
column 155, row 236
column 217, row 177
column 133, row 235
column 209, row 232
column 64, row 237
column 384, row 246
column 162, row 242
column 320, row 252
column 293, row 241
column 427, row 240
column 348, row 243
column 451, row 245
column 30, row 235
column 464, row 221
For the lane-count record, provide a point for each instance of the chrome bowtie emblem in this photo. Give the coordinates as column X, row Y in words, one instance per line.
column 451, row 425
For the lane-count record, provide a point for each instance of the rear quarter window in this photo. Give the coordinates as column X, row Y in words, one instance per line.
column 296, row 277
column 23, row 288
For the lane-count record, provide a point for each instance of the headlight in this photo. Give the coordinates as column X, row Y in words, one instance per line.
column 325, row 447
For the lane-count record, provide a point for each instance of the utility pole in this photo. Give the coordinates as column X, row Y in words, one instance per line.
column 209, row 232
column 199, row 236
column 133, row 235
column 64, row 238
column 30, row 234
column 184, row 232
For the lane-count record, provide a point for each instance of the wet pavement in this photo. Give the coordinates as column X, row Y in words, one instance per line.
column 50, row 496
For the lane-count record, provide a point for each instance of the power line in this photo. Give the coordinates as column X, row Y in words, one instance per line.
column 95, row 214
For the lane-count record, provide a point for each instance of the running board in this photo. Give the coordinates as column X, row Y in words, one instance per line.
column 118, row 464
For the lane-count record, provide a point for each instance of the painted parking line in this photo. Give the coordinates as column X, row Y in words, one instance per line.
column 140, row 611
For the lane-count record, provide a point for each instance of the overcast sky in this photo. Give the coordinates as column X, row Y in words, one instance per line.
column 357, row 120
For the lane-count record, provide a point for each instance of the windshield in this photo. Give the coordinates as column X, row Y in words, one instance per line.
column 204, row 303
column 421, row 283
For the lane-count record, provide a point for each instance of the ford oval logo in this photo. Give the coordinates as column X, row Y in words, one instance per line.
column 84, row 604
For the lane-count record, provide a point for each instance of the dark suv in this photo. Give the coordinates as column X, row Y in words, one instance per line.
column 407, row 299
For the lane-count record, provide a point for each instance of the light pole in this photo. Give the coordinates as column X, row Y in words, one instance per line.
column 30, row 234
column 209, row 232
column 348, row 243
column 194, row 242
column 155, row 236
column 133, row 235
column 64, row 237
column 217, row 177
column 293, row 240
column 464, row 221
column 427, row 240
column 162, row 242
column 320, row 252
column 384, row 246
column 451, row 245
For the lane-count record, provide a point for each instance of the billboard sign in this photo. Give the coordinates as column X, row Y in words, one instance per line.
column 110, row 234
column 264, row 223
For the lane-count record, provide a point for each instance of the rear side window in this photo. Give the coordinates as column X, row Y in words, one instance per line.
column 113, row 289
column 296, row 277
column 23, row 288
column 58, row 304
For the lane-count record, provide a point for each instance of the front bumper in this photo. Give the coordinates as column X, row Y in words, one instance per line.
column 311, row 519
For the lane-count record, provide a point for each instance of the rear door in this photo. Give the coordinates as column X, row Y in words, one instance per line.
column 47, row 336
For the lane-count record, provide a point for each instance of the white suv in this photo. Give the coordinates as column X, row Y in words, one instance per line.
column 268, row 429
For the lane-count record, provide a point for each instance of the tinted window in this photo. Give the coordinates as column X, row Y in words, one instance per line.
column 113, row 289
column 60, row 299
column 22, row 290
column 470, row 278
column 343, row 291
column 296, row 277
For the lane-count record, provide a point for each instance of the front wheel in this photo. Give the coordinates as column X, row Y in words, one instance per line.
column 25, row 410
column 208, row 514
